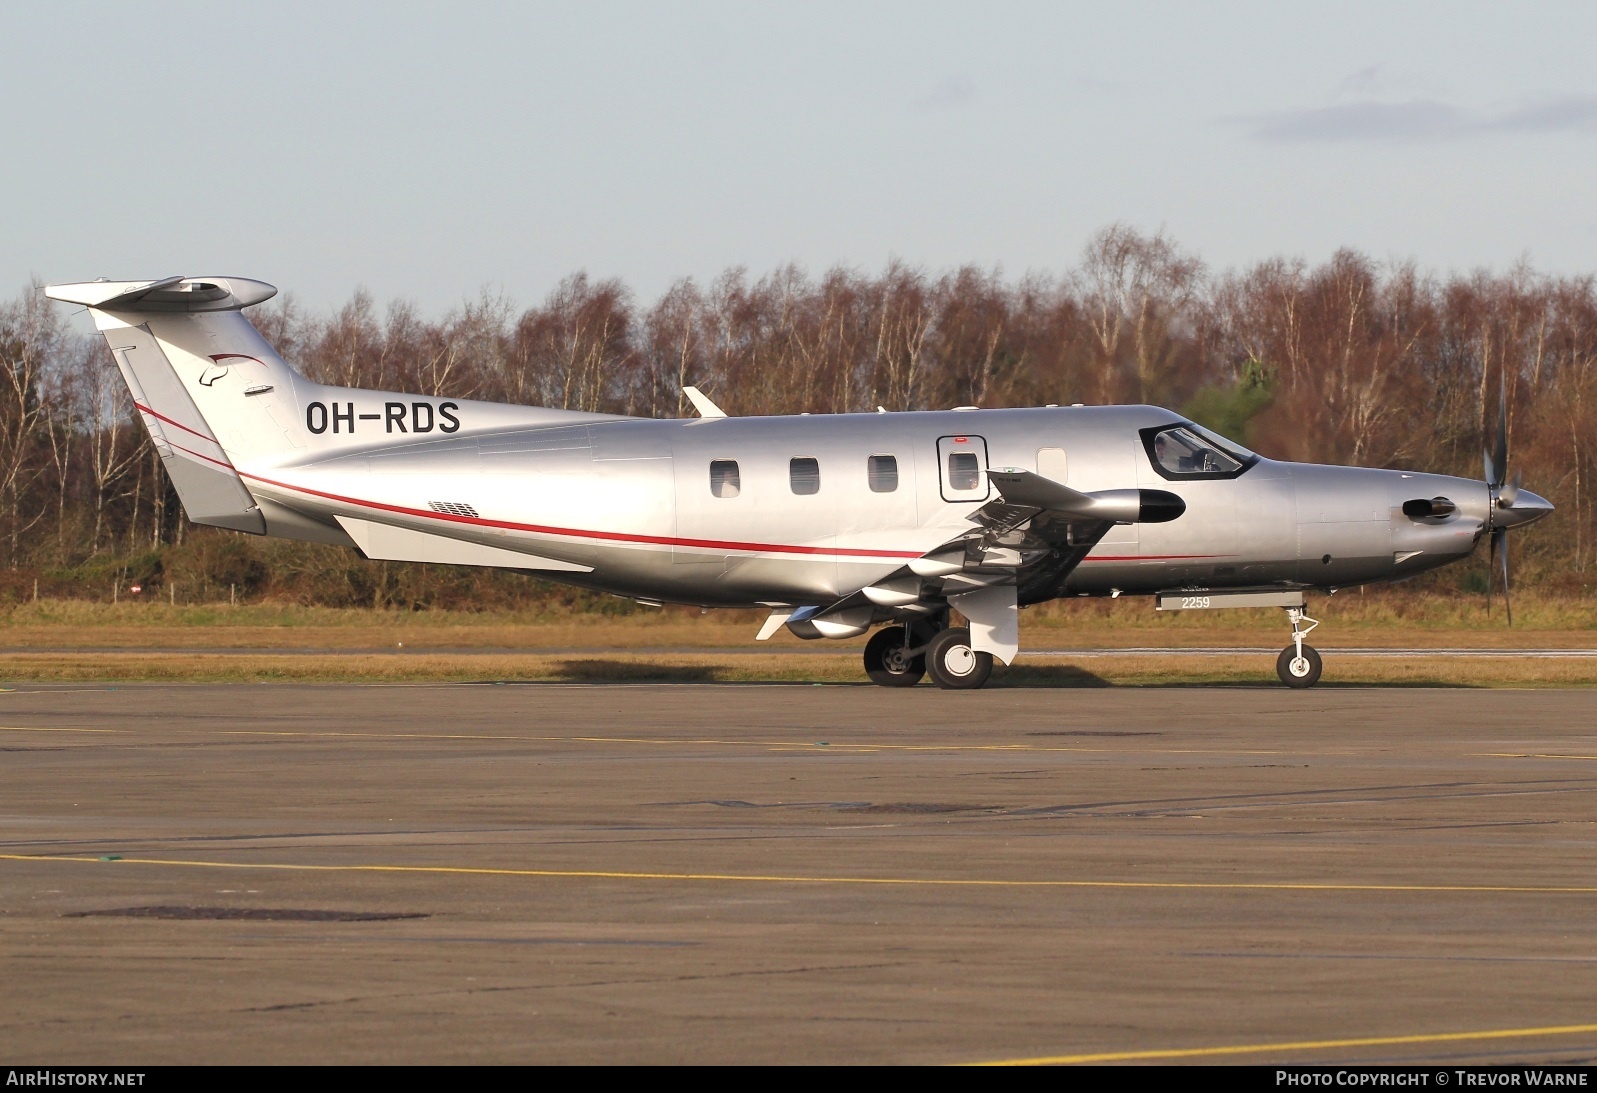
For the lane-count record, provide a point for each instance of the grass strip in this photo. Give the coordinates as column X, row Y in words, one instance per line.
column 1099, row 671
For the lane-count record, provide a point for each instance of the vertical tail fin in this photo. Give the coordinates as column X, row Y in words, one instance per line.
column 208, row 386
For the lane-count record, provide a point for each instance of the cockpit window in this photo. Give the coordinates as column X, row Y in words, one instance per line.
column 1223, row 443
column 1188, row 451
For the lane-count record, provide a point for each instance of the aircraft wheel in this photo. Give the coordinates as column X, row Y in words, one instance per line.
column 886, row 663
column 1296, row 671
column 953, row 664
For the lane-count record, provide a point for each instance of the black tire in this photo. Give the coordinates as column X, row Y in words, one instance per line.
column 1295, row 673
column 953, row 664
column 885, row 662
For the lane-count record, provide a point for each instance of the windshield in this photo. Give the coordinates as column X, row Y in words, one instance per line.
column 1222, row 443
column 1191, row 451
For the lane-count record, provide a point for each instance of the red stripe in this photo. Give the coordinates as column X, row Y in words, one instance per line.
column 1152, row 557
column 189, row 451
column 145, row 409
column 610, row 536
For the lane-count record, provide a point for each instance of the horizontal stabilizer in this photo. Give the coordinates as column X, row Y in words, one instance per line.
column 168, row 294
column 384, row 542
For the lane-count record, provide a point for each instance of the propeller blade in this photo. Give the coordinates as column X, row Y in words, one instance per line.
column 1500, row 453
column 1508, row 606
column 1491, row 568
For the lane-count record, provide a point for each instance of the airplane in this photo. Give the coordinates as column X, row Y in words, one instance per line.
column 834, row 523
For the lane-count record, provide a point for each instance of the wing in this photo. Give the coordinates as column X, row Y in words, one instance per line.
column 1030, row 537
column 1037, row 531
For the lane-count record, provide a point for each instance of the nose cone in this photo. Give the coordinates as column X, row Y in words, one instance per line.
column 1526, row 509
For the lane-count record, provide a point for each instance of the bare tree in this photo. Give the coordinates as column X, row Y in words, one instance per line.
column 574, row 352
column 30, row 337
column 675, row 337
column 1143, row 285
column 1365, row 363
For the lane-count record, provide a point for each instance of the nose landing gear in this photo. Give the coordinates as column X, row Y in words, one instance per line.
column 1299, row 665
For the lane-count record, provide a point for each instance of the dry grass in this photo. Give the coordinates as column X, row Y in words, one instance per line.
column 1096, row 671
column 67, row 624
column 1383, row 618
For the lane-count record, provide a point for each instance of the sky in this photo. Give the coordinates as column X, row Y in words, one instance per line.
column 429, row 152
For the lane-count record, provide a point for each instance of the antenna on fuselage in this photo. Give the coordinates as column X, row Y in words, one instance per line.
column 701, row 403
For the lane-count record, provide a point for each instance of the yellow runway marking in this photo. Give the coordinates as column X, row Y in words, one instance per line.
column 799, row 878
column 1302, row 1045
column 1529, row 755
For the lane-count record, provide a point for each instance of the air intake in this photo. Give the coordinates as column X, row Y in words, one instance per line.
column 1435, row 507
column 452, row 508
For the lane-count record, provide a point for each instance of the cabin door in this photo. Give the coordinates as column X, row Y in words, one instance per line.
column 962, row 468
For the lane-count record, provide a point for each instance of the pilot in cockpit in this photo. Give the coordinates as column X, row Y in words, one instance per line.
column 1171, row 458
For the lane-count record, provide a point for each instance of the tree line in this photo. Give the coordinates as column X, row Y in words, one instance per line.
column 1347, row 361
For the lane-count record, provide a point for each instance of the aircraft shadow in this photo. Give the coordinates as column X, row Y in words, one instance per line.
column 620, row 671
column 1067, row 676
column 1047, row 675
column 1015, row 677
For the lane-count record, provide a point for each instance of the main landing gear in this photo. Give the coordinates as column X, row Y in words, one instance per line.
column 896, row 656
column 903, row 655
column 953, row 664
column 1299, row 665
column 899, row 656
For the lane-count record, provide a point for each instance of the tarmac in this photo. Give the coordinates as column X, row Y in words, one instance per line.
column 571, row 873
column 826, row 649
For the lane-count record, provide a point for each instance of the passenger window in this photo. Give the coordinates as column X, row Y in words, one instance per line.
column 724, row 477
column 804, row 474
column 964, row 471
column 883, row 473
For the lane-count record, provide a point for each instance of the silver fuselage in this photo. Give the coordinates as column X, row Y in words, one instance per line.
column 630, row 503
